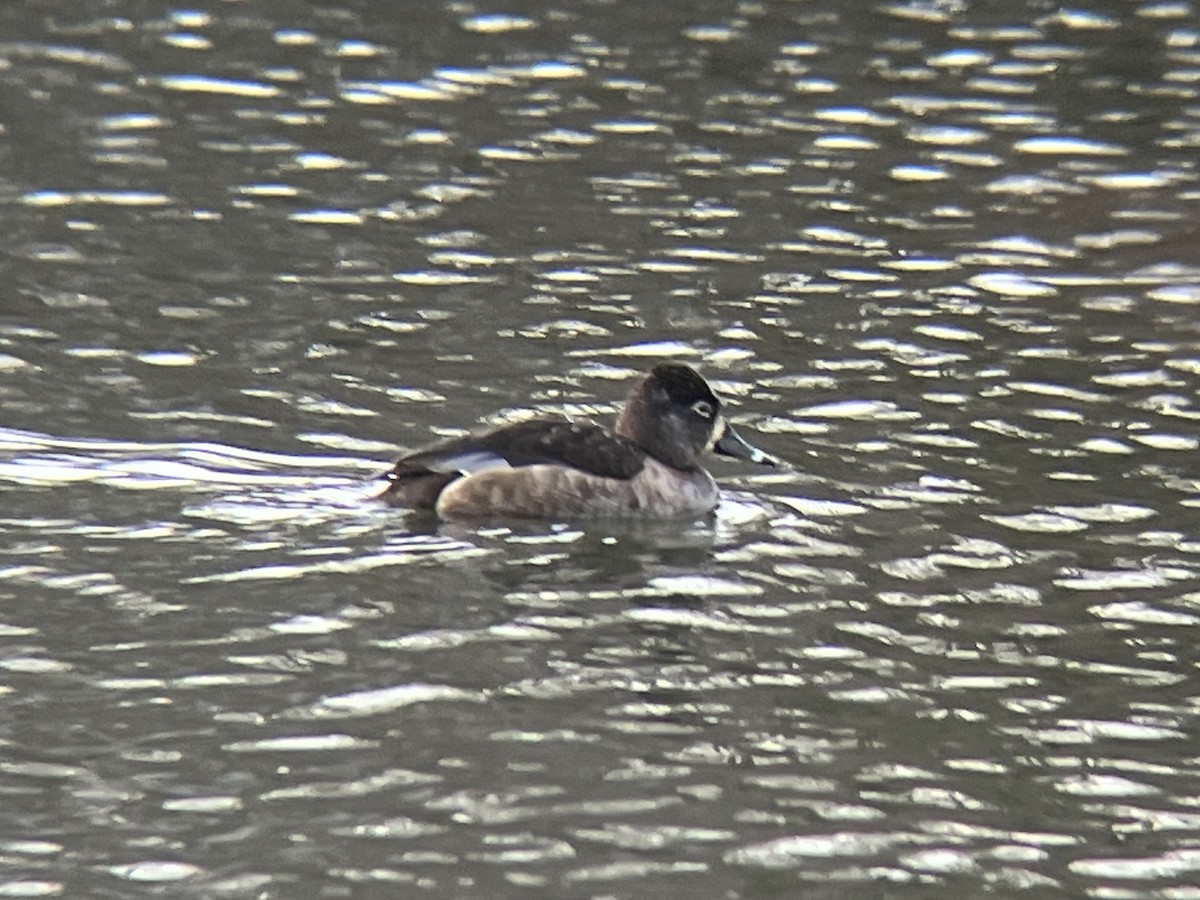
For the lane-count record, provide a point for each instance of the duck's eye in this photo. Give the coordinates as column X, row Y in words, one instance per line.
column 703, row 409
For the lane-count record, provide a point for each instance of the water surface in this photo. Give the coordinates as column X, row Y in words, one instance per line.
column 942, row 257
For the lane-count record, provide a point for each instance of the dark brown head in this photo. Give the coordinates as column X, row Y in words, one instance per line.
column 674, row 416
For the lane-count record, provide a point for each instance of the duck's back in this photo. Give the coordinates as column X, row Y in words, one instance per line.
column 556, row 447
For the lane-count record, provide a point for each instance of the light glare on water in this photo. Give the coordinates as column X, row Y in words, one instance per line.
column 939, row 257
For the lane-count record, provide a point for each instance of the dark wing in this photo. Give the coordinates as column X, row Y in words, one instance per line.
column 581, row 445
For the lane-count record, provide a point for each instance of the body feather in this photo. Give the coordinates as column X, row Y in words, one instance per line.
column 419, row 477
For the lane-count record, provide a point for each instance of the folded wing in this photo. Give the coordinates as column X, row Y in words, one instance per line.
column 418, row 478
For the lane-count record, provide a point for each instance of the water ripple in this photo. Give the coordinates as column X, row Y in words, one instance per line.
column 941, row 261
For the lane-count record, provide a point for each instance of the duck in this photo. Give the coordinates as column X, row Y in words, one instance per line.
column 648, row 466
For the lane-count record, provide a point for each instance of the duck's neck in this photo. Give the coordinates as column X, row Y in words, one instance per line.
column 653, row 434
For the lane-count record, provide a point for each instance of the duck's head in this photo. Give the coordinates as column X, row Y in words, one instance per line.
column 674, row 416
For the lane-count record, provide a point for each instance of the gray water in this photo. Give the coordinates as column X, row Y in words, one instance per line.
column 943, row 257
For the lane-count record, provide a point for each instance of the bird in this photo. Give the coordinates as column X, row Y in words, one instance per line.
column 648, row 466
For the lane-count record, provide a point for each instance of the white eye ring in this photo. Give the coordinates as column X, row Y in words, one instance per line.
column 703, row 409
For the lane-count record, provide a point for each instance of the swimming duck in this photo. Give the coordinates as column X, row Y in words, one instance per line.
column 648, row 467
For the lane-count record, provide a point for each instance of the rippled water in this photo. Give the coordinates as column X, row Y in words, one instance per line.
column 941, row 256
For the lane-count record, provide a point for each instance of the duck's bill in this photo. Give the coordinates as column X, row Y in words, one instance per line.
column 731, row 444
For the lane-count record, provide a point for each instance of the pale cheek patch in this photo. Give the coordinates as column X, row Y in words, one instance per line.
column 715, row 435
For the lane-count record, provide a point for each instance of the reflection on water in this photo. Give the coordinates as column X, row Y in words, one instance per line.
column 941, row 256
